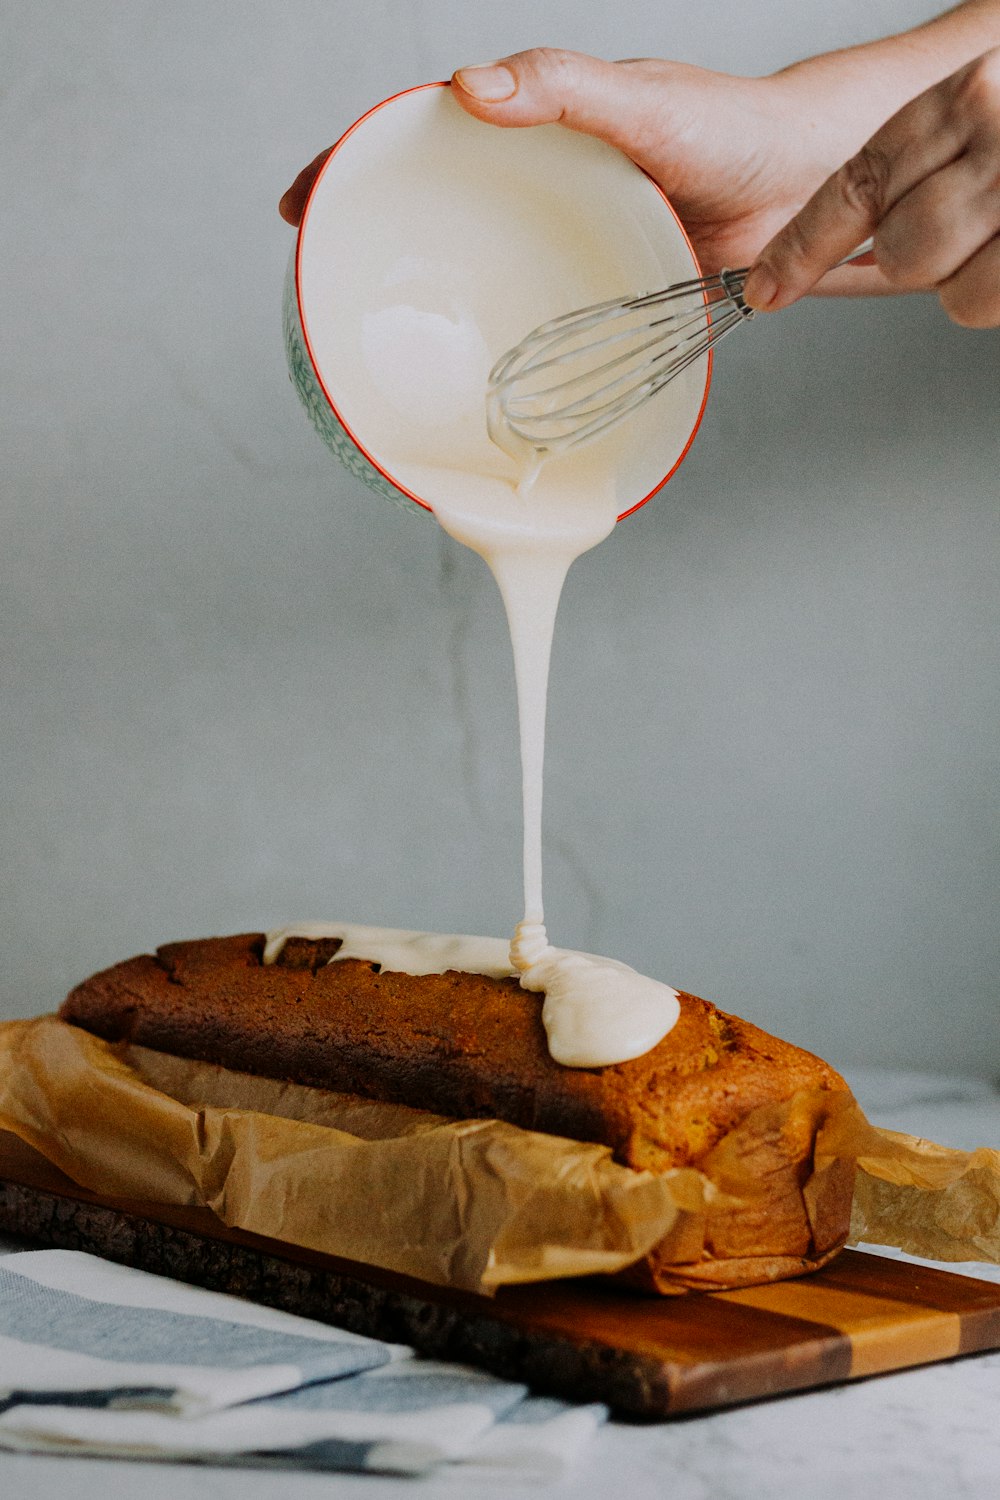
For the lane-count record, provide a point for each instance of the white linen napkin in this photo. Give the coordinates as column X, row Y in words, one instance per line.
column 102, row 1359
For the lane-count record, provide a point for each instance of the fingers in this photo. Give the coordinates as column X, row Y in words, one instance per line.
column 546, row 86
column 293, row 202
column 972, row 296
column 922, row 139
column 927, row 186
column 934, row 229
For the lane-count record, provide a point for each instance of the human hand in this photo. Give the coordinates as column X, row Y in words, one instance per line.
column 927, row 186
column 728, row 152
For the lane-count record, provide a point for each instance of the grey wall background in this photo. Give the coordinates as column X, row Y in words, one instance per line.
column 239, row 689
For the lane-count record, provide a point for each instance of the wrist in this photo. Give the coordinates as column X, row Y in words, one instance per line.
column 843, row 97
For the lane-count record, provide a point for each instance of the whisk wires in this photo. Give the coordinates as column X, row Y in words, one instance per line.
column 578, row 375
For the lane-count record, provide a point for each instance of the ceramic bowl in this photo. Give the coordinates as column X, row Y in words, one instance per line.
column 417, row 182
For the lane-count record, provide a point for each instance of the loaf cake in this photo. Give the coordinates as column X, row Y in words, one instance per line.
column 471, row 1046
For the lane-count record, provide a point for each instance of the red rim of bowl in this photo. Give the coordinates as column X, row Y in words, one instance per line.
column 418, row 88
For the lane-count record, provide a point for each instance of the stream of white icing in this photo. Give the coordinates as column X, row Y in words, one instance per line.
column 418, row 327
column 597, row 1011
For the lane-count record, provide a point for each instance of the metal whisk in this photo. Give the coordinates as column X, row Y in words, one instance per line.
column 576, row 376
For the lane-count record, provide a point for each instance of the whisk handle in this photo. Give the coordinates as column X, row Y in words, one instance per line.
column 864, row 249
column 732, row 281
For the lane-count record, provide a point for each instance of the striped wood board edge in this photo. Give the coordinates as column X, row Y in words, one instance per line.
column 594, row 1340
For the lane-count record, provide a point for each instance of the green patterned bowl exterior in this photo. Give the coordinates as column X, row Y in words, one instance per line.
column 321, row 414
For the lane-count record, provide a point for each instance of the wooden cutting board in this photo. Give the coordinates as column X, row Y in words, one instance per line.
column 589, row 1340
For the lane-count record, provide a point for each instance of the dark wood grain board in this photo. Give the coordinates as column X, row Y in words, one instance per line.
column 648, row 1358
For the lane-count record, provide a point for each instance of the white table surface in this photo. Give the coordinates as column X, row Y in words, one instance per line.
column 929, row 1432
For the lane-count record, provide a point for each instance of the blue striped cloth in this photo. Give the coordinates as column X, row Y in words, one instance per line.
column 103, row 1359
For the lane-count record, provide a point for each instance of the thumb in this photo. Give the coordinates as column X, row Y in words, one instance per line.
column 548, row 86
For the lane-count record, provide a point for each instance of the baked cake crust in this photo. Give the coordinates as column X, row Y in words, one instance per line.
column 458, row 1044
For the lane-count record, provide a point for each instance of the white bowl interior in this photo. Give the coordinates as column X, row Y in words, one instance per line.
column 472, row 235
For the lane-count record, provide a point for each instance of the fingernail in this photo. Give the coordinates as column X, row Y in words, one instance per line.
column 487, row 81
column 761, row 287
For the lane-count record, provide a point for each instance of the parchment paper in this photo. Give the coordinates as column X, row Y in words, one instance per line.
column 474, row 1204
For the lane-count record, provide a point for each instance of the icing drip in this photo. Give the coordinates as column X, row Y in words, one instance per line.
column 597, row 1011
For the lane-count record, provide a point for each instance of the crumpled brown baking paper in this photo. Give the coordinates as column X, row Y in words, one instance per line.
column 474, row 1204
column 928, row 1200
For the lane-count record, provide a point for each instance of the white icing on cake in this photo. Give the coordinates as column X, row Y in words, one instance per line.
column 590, row 1001
column 399, row 951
